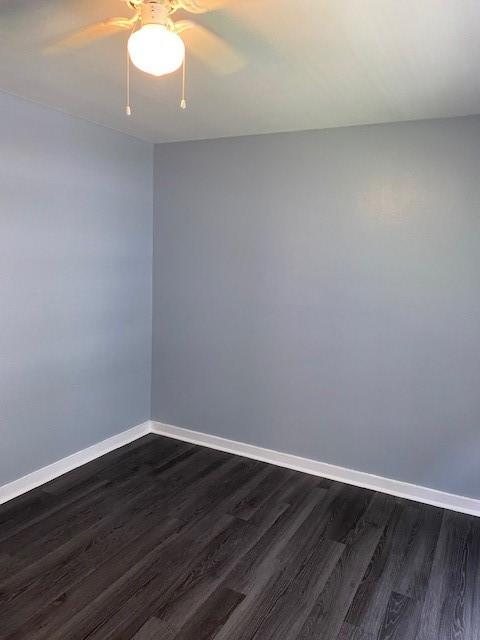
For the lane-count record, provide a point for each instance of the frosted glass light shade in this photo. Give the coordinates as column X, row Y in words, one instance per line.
column 156, row 50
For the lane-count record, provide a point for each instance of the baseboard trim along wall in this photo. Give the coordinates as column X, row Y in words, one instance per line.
column 51, row 471
column 323, row 469
column 313, row 467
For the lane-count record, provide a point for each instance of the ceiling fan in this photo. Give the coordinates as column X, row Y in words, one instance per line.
column 155, row 45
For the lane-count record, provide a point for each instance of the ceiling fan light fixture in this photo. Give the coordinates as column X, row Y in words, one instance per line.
column 156, row 50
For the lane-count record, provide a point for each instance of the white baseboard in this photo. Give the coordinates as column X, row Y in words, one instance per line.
column 313, row 467
column 333, row 472
column 45, row 474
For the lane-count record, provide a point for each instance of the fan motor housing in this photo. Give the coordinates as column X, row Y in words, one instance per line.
column 154, row 12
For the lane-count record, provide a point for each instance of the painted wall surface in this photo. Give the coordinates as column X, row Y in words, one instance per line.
column 319, row 293
column 75, row 284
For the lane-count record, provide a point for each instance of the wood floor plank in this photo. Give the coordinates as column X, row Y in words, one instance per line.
column 163, row 539
column 208, row 495
column 211, row 616
column 402, row 614
column 451, row 604
column 92, row 469
column 253, row 570
column 44, row 533
column 328, row 519
column 182, row 581
column 155, row 629
column 350, row 632
column 143, row 458
column 214, row 564
column 44, row 505
column 345, row 510
column 47, row 536
column 37, row 551
column 60, row 612
column 251, row 574
column 81, row 555
column 414, row 575
column 248, row 506
column 335, row 600
column 282, row 608
column 368, row 608
column 176, row 480
column 58, row 494
column 156, row 572
column 398, row 621
column 286, row 572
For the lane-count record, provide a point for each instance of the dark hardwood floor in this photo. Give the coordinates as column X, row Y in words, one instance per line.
column 168, row 541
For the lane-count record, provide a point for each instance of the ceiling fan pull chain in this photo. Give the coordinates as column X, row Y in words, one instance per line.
column 128, row 108
column 183, row 102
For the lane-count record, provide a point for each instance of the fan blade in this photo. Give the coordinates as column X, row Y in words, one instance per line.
column 90, row 33
column 198, row 6
column 209, row 48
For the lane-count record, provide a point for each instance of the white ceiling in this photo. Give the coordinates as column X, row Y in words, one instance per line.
column 312, row 64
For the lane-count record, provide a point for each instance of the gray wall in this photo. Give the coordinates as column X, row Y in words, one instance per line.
column 318, row 293
column 75, row 284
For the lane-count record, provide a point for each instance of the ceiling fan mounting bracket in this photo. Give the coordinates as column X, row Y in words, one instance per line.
column 170, row 6
column 153, row 5
column 152, row 11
